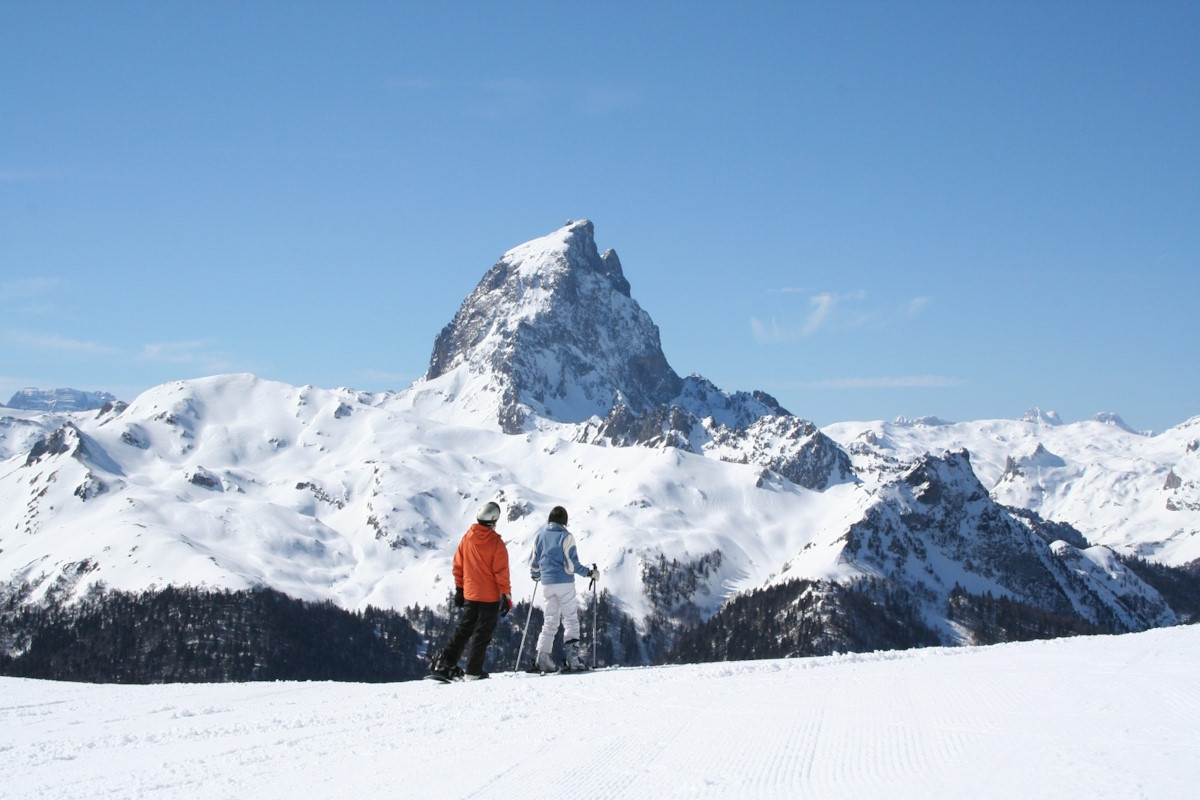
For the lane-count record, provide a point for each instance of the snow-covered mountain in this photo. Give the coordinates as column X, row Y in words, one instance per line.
column 235, row 481
column 1136, row 493
column 550, row 387
column 551, row 339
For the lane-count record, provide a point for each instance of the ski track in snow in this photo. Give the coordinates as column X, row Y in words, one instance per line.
column 1088, row 717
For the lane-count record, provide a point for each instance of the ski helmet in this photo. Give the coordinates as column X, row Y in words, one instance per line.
column 488, row 513
column 558, row 514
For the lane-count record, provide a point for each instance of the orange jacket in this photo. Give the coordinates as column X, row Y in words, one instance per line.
column 481, row 565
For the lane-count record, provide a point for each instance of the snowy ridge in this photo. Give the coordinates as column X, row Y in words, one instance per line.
column 1138, row 494
column 234, row 481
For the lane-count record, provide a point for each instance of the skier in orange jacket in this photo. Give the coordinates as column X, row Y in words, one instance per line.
column 481, row 585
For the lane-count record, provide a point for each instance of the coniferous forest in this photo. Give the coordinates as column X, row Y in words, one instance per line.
column 179, row 634
column 182, row 634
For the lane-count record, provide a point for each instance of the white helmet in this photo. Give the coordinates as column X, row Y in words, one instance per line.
column 488, row 513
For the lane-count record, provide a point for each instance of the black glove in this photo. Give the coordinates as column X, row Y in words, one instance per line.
column 458, row 597
column 505, row 605
column 594, row 572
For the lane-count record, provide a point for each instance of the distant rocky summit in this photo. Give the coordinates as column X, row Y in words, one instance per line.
column 553, row 336
column 59, row 400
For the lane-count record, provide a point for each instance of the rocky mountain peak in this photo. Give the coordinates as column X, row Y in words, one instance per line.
column 552, row 335
column 555, row 333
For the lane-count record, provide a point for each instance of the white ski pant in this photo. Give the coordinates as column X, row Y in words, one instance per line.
column 561, row 607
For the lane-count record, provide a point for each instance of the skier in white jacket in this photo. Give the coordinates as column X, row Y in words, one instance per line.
column 556, row 563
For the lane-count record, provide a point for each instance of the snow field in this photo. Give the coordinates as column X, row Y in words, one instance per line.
column 1085, row 717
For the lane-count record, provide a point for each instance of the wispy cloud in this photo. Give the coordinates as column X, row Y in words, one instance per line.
column 915, row 306
column 770, row 331
column 31, row 175
column 28, row 297
column 24, row 288
column 825, row 310
column 199, row 352
column 829, row 311
column 418, row 84
column 827, row 307
column 894, row 382
column 603, row 100
column 58, row 343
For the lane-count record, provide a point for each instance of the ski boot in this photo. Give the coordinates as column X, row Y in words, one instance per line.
column 545, row 663
column 574, row 662
column 443, row 672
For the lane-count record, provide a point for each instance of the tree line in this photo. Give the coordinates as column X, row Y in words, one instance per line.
column 187, row 634
column 182, row 633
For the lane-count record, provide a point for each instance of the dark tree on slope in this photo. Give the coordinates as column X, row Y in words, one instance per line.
column 619, row 641
column 872, row 614
column 187, row 634
column 670, row 586
column 1179, row 586
column 991, row 620
column 806, row 618
column 773, row 622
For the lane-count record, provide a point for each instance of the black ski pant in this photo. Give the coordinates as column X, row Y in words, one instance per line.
column 474, row 633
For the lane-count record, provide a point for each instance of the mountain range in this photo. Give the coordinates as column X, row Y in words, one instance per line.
column 549, row 386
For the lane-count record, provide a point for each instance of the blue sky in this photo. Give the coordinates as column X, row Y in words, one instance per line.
column 864, row 209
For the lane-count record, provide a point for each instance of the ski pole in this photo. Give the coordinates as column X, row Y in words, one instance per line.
column 595, row 615
column 521, row 650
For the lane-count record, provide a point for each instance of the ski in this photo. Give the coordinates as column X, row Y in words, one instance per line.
column 564, row 671
column 441, row 679
column 452, row 675
column 456, row 678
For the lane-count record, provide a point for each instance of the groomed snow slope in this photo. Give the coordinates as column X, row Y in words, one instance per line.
column 1071, row 718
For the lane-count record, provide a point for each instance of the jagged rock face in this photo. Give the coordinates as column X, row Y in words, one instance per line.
column 66, row 439
column 703, row 399
column 661, row 426
column 937, row 505
column 1050, row 531
column 793, row 447
column 938, row 512
column 554, row 323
